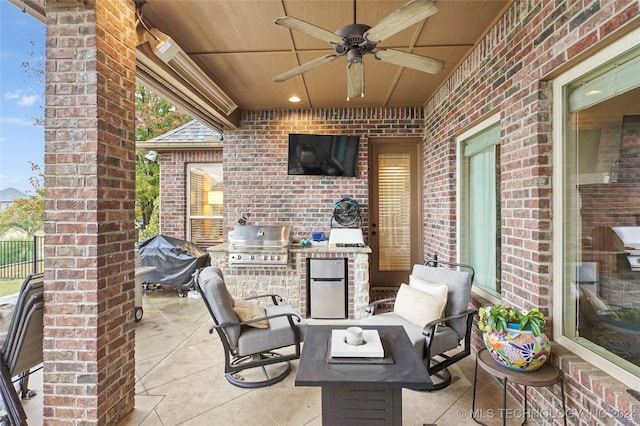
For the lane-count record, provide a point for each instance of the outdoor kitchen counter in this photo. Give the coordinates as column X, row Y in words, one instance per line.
column 218, row 248
column 314, row 248
column 290, row 281
column 322, row 248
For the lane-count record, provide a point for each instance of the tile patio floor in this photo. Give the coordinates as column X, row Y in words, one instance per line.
column 180, row 381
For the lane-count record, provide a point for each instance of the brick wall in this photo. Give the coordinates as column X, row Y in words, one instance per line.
column 255, row 168
column 506, row 73
column 256, row 157
column 90, row 194
column 629, row 150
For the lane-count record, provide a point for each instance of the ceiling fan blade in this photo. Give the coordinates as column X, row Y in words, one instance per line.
column 409, row 14
column 355, row 80
column 410, row 60
column 304, row 67
column 310, row 29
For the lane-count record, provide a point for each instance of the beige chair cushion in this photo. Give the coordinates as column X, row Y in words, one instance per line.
column 247, row 311
column 440, row 290
column 418, row 307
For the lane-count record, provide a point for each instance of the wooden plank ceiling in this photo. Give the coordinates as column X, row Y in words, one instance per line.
column 237, row 44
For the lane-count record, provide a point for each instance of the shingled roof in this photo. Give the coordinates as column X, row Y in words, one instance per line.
column 11, row 194
column 192, row 135
column 8, row 195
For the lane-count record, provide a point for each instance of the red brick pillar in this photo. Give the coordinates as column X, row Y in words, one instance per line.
column 89, row 212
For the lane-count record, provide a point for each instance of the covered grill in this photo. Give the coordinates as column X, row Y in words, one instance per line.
column 173, row 261
column 253, row 245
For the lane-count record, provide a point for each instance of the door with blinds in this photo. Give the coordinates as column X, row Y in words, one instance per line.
column 395, row 210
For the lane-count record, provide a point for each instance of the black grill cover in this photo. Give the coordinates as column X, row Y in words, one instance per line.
column 175, row 260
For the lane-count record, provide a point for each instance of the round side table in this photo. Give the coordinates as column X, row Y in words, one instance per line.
column 547, row 375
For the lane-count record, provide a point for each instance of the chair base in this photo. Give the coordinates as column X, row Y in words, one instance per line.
column 441, row 379
column 235, row 379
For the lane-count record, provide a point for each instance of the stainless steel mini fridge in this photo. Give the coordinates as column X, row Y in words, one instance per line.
column 328, row 288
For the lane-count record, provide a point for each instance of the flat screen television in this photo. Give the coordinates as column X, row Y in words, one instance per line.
column 325, row 155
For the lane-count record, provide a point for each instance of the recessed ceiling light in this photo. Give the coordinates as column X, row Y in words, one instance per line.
column 294, row 99
column 593, row 92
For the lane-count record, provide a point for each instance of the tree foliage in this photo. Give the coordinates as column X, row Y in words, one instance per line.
column 26, row 214
column 154, row 116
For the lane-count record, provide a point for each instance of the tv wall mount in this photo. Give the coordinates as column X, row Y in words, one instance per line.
column 346, row 212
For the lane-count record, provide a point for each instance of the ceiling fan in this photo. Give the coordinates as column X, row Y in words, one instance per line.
column 356, row 40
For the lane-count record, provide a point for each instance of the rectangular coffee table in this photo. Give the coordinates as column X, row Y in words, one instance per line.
column 367, row 391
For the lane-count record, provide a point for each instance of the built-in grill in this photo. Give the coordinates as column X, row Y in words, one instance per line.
column 630, row 237
column 253, row 245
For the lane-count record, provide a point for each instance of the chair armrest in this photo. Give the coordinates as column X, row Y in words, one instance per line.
column 373, row 306
column 276, row 299
column 429, row 329
column 292, row 316
column 429, row 332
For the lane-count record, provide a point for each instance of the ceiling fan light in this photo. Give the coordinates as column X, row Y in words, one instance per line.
column 355, row 80
column 354, row 56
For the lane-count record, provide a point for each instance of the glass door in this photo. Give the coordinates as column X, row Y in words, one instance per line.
column 395, row 209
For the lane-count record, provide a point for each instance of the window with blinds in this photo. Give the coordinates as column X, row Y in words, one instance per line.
column 394, row 216
column 205, row 204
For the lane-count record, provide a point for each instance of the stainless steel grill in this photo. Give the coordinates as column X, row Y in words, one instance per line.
column 253, row 245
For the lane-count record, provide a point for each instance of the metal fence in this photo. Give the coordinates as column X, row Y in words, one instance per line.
column 21, row 258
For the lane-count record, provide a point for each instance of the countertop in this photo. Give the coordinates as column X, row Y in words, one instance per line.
column 218, row 248
column 297, row 248
column 324, row 248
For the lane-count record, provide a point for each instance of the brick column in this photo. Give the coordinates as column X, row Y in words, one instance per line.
column 89, row 212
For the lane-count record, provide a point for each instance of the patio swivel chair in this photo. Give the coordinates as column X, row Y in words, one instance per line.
column 250, row 343
column 444, row 340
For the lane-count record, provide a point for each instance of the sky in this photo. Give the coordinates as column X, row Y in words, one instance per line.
column 22, row 39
